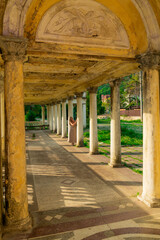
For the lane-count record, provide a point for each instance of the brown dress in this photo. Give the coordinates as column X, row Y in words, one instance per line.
column 73, row 134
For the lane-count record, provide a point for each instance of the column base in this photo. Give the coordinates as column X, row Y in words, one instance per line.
column 80, row 145
column 94, row 153
column 24, row 224
column 152, row 203
column 115, row 165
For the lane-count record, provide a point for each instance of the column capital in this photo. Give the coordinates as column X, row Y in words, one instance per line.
column 150, row 60
column 80, row 94
column 70, row 97
column 13, row 48
column 116, row 82
column 92, row 89
column 58, row 102
column 63, row 100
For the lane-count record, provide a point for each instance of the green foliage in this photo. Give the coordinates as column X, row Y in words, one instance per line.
column 100, row 107
column 104, row 89
column 75, row 111
column 33, row 135
column 30, row 116
column 86, row 143
column 130, row 91
column 32, row 112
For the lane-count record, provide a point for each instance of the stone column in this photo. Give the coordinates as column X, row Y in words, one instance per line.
column 64, row 126
column 84, row 110
column 84, row 115
column 1, row 185
column 93, row 121
column 48, row 108
column 79, row 120
column 43, row 114
column 2, row 127
column 151, row 129
column 115, row 146
column 70, row 112
column 54, row 118
column 59, row 122
column 51, row 118
column 16, row 208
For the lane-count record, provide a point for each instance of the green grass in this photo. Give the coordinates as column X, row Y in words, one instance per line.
column 103, row 121
column 108, row 120
column 131, row 121
column 129, row 136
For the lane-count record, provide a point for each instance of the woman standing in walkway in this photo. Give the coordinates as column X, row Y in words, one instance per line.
column 73, row 131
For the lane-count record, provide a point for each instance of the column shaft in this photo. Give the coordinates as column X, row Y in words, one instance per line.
column 16, row 188
column 43, row 115
column 51, row 118
column 93, row 123
column 54, row 118
column 48, row 108
column 1, row 185
column 115, row 148
column 2, row 127
column 70, row 113
column 84, row 115
column 64, row 127
column 151, row 138
column 59, row 122
column 79, row 122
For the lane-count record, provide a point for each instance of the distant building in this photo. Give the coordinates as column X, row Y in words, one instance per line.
column 105, row 97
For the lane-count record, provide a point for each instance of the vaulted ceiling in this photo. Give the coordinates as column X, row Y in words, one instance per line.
column 76, row 44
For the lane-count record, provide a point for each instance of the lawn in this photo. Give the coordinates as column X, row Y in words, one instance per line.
column 131, row 136
column 131, row 133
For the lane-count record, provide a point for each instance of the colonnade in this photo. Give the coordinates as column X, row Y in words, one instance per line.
column 16, row 205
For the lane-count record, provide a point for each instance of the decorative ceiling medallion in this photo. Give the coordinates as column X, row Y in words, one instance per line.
column 82, row 22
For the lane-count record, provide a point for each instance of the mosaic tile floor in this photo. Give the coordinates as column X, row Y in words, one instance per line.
column 73, row 195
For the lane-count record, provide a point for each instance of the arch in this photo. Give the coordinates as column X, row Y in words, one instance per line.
column 124, row 10
column 82, row 22
column 150, row 21
column 14, row 17
column 22, row 17
column 30, row 12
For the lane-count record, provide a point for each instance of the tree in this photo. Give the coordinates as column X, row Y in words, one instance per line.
column 130, row 91
column 32, row 112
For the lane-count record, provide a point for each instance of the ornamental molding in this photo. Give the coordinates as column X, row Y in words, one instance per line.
column 63, row 100
column 92, row 89
column 78, row 95
column 115, row 83
column 70, row 97
column 13, row 49
column 150, row 60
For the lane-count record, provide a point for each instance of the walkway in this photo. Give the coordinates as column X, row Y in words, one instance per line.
column 75, row 196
